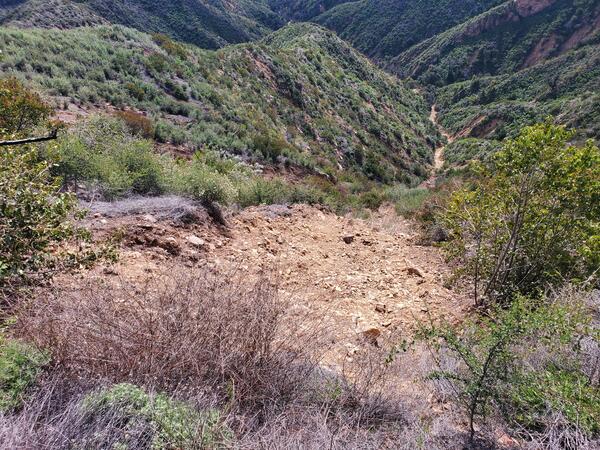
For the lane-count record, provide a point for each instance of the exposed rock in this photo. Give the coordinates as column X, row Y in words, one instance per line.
column 413, row 271
column 169, row 244
column 381, row 308
column 348, row 239
column 196, row 241
column 371, row 335
column 149, row 218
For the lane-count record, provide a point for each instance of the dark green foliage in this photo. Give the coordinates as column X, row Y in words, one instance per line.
column 20, row 365
column 531, row 218
column 513, row 66
column 384, row 28
column 206, row 23
column 505, row 39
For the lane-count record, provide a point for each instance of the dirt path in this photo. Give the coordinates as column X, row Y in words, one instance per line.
column 353, row 277
column 438, row 160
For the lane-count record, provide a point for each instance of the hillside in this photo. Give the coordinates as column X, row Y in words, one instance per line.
column 511, row 37
column 206, row 23
column 384, row 28
column 512, row 66
column 303, row 10
column 300, row 97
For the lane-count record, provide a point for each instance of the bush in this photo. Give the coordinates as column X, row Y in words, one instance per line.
column 175, row 327
column 260, row 191
column 21, row 109
column 200, row 182
column 20, row 365
column 137, row 123
column 407, row 201
column 531, row 219
column 130, row 416
column 523, row 362
column 102, row 153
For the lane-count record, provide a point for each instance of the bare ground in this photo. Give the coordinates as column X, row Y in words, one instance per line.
column 361, row 280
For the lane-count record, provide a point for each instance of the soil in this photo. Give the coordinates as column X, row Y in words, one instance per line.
column 360, row 279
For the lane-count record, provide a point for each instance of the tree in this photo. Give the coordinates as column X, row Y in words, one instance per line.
column 35, row 217
column 531, row 218
column 483, row 362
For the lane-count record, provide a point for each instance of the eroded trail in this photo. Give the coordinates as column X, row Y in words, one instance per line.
column 355, row 278
column 438, row 161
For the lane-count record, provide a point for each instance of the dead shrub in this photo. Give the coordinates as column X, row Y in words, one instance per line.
column 137, row 123
column 178, row 328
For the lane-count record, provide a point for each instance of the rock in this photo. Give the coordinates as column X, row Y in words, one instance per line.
column 348, row 239
column 506, row 441
column 386, row 324
column 371, row 335
column 170, row 244
column 149, row 218
column 381, row 308
column 195, row 241
column 414, row 272
column 109, row 270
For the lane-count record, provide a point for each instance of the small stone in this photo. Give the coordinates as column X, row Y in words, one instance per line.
column 381, row 308
column 348, row 239
column 386, row 324
column 110, row 271
column 195, row 241
column 371, row 335
column 414, row 272
column 149, row 218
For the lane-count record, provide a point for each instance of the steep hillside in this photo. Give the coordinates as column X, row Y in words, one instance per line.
column 300, row 97
column 511, row 66
column 513, row 36
column 384, row 28
column 207, row 23
column 303, row 10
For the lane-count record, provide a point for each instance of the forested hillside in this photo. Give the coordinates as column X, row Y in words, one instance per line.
column 514, row 65
column 301, row 95
column 511, row 37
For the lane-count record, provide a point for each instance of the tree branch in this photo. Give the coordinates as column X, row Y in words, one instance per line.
column 50, row 137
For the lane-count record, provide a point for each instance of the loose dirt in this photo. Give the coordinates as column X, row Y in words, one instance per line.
column 361, row 280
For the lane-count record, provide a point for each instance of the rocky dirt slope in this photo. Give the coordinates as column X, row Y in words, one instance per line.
column 361, row 280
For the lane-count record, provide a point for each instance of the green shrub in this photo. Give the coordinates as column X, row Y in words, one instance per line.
column 532, row 218
column 167, row 423
column 556, row 390
column 20, row 365
column 20, row 108
column 198, row 181
column 260, row 191
column 34, row 216
column 490, row 370
column 101, row 152
column 406, row 200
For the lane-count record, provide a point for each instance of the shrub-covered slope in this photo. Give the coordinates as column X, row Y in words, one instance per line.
column 384, row 28
column 512, row 66
column 300, row 96
column 207, row 23
column 516, row 35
